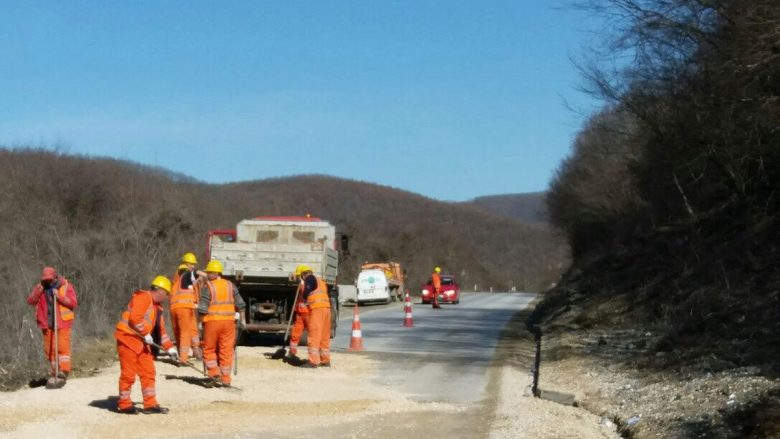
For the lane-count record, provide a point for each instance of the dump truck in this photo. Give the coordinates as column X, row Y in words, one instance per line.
column 260, row 257
column 380, row 282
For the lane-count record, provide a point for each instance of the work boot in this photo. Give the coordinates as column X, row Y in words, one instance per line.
column 308, row 365
column 155, row 410
column 436, row 306
column 128, row 411
column 325, row 364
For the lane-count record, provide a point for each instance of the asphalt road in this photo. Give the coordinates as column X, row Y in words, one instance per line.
column 445, row 356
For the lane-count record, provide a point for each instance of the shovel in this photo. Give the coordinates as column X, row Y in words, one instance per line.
column 282, row 351
column 55, row 382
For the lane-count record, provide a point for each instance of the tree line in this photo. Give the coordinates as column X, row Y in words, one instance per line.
column 110, row 226
column 670, row 190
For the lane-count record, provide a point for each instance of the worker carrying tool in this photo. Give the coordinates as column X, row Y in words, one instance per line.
column 55, row 301
column 133, row 341
column 183, row 305
column 219, row 310
column 301, row 316
column 315, row 294
column 436, row 281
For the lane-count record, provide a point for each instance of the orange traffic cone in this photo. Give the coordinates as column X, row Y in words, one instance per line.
column 408, row 322
column 356, row 342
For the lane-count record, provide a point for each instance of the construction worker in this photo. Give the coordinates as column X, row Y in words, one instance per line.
column 133, row 341
column 54, row 288
column 436, row 281
column 219, row 310
column 301, row 316
column 315, row 293
column 183, row 308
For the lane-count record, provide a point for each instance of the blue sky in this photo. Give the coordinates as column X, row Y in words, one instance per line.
column 449, row 99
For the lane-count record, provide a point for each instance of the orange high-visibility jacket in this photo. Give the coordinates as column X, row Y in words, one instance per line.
column 66, row 301
column 318, row 298
column 222, row 305
column 182, row 297
column 436, row 280
column 140, row 318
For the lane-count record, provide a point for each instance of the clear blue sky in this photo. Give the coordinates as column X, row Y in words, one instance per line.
column 449, row 99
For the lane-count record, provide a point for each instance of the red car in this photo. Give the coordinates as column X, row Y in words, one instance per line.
column 450, row 291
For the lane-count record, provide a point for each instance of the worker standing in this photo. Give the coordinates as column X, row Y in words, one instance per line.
column 133, row 340
column 183, row 308
column 315, row 293
column 219, row 309
column 436, row 281
column 301, row 316
column 54, row 289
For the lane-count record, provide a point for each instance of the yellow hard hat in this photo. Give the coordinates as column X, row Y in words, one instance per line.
column 182, row 267
column 214, row 266
column 189, row 258
column 162, row 282
column 437, row 269
column 302, row 269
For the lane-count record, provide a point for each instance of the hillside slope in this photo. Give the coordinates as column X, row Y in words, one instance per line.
column 529, row 207
column 110, row 225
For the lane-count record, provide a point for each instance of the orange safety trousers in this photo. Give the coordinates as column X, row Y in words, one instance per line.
column 62, row 350
column 185, row 330
column 132, row 364
column 219, row 337
column 319, row 336
column 300, row 325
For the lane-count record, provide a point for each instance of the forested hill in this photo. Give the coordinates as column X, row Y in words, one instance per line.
column 529, row 207
column 670, row 196
column 111, row 225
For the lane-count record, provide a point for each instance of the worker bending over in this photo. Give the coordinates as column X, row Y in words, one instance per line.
column 315, row 293
column 301, row 316
column 219, row 309
column 133, row 341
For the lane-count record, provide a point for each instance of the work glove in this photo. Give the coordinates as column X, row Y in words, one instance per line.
column 148, row 339
column 174, row 354
column 237, row 316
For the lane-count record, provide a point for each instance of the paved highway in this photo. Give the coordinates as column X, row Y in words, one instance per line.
column 444, row 357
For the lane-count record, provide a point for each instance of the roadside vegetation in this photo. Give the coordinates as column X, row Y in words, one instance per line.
column 110, row 226
column 669, row 197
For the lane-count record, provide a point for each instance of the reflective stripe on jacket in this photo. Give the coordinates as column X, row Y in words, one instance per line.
column 222, row 305
column 319, row 297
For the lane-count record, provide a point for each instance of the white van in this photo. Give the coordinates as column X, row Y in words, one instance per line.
column 372, row 286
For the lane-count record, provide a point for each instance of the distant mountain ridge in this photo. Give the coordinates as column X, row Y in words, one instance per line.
column 527, row 207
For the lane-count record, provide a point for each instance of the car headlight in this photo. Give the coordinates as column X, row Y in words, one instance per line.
column 425, row 292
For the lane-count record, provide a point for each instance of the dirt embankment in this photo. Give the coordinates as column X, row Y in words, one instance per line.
column 624, row 371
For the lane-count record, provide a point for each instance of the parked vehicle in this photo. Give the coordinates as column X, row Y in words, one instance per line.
column 450, row 290
column 260, row 257
column 380, row 282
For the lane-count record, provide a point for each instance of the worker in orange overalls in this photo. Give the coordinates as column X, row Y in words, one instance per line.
column 133, row 340
column 436, row 281
column 315, row 293
column 54, row 288
column 219, row 309
column 183, row 308
column 301, row 316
